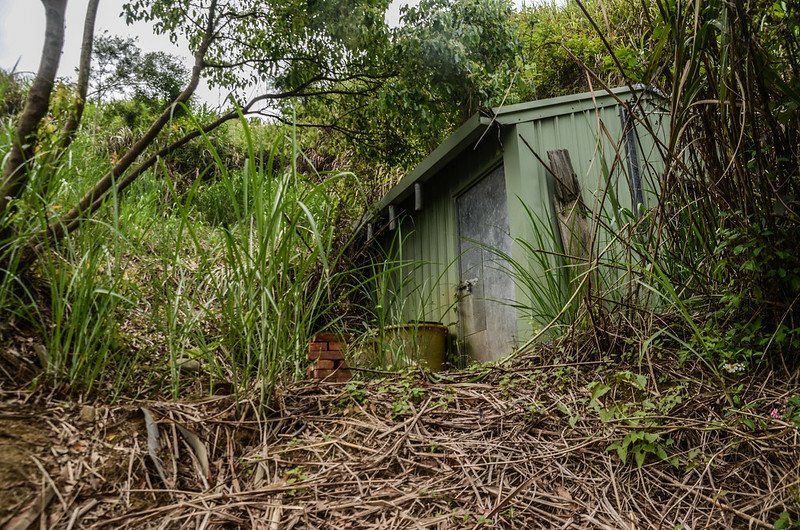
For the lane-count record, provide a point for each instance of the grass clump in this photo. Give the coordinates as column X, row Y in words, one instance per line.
column 231, row 280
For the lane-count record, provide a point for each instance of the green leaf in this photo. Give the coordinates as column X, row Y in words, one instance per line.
column 783, row 521
column 639, row 456
column 606, row 415
column 598, row 390
column 622, row 451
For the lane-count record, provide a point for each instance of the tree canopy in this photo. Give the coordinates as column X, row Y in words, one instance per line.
column 447, row 60
column 277, row 48
column 122, row 70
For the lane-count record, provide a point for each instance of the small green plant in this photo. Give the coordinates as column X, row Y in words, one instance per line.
column 295, row 475
column 400, row 408
column 507, row 384
column 637, row 381
column 406, row 393
column 793, row 410
column 785, row 522
column 482, row 520
column 563, row 376
column 643, row 445
column 355, row 391
column 597, row 390
column 572, row 416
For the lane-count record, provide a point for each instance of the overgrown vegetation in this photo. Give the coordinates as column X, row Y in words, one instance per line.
column 244, row 210
column 172, row 251
column 719, row 250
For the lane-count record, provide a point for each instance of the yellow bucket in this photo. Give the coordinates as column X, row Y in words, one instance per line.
column 424, row 343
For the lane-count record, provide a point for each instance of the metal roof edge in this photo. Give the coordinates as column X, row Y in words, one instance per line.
column 439, row 157
column 560, row 100
column 461, row 137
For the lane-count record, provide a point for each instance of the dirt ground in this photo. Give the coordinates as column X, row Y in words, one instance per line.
column 54, row 454
column 24, row 444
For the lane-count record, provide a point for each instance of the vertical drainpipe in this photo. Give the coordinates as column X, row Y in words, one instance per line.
column 635, row 180
column 392, row 218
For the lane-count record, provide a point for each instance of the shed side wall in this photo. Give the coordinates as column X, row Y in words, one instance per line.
column 426, row 288
column 594, row 137
column 595, row 140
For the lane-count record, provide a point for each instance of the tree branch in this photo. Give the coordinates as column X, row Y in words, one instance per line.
column 65, row 226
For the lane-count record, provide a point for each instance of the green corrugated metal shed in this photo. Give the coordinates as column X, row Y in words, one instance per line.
column 484, row 183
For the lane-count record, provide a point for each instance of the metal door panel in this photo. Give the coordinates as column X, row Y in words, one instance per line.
column 487, row 321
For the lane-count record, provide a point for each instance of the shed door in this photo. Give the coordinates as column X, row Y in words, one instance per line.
column 488, row 323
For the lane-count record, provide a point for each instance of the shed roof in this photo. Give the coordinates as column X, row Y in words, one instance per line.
column 472, row 132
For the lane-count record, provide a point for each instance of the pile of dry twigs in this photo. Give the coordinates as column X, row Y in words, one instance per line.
column 536, row 443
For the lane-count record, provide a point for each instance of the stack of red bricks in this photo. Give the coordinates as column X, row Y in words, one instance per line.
column 326, row 350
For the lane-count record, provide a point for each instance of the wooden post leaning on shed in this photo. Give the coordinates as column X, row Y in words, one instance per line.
column 571, row 210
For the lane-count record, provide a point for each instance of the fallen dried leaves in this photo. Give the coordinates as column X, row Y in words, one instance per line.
column 487, row 448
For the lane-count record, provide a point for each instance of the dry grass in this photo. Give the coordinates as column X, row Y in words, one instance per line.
column 486, row 448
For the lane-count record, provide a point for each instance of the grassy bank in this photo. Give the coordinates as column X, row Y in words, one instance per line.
column 214, row 282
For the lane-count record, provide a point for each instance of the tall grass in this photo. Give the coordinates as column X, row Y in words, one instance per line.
column 544, row 277
column 728, row 215
column 271, row 278
column 237, row 283
column 73, row 296
column 80, row 328
column 713, row 269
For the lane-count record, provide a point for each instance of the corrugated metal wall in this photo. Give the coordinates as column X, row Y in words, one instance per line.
column 598, row 150
column 427, row 289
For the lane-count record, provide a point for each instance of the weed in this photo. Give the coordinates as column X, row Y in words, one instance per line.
column 572, row 416
column 642, row 445
column 295, row 475
column 784, row 521
column 507, row 384
column 356, row 392
column 400, row 408
column 406, row 393
column 792, row 412
column 81, row 336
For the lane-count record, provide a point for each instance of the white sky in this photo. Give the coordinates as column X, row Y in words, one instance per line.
column 22, row 35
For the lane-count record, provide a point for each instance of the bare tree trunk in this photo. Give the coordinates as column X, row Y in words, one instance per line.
column 84, row 69
column 15, row 175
